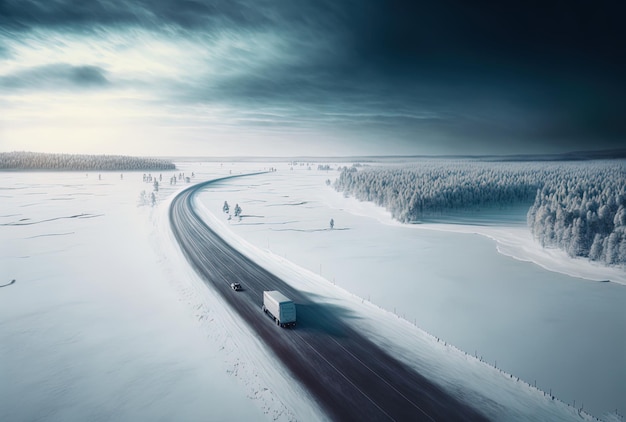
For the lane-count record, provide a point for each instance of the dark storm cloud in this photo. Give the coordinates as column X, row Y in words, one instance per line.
column 524, row 71
column 545, row 73
column 490, row 34
column 87, row 76
column 56, row 76
column 393, row 35
column 25, row 14
column 187, row 14
column 542, row 72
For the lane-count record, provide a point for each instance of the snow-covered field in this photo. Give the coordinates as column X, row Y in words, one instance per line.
column 532, row 312
column 106, row 321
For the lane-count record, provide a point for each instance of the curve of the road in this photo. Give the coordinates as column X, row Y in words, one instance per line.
column 348, row 375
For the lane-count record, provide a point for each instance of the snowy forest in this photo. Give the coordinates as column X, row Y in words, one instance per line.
column 579, row 207
column 23, row 160
column 584, row 213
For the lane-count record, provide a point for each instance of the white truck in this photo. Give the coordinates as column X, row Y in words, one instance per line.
column 280, row 308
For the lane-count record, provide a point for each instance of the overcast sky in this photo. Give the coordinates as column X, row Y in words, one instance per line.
column 318, row 77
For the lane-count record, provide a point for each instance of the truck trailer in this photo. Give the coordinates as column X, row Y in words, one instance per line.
column 280, row 308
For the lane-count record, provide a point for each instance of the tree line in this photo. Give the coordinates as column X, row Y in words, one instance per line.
column 578, row 207
column 435, row 187
column 583, row 213
column 23, row 160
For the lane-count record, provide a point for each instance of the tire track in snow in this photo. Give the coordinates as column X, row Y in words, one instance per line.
column 8, row 284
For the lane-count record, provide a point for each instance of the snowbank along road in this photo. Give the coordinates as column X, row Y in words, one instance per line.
column 348, row 375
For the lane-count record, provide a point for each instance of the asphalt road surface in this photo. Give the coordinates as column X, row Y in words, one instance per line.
column 348, row 375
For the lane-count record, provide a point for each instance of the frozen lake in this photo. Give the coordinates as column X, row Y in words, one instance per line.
column 563, row 332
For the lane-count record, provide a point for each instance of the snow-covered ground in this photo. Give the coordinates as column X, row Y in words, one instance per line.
column 106, row 321
column 546, row 327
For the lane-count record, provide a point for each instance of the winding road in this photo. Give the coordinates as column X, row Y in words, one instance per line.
column 348, row 375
